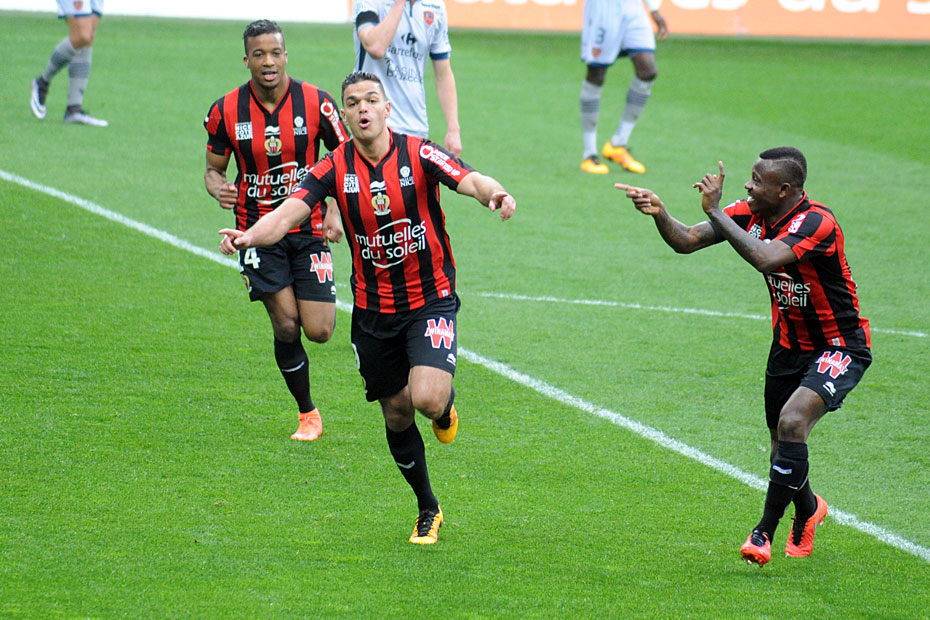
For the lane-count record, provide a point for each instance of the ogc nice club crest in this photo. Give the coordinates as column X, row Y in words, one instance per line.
column 272, row 140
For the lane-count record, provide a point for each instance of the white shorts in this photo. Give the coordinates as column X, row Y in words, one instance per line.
column 79, row 8
column 614, row 28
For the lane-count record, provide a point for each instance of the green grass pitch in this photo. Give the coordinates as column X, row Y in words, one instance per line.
column 145, row 466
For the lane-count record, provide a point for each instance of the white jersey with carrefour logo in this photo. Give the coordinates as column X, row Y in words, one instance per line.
column 423, row 32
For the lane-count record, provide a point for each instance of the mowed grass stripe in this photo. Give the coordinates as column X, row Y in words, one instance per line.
column 647, row 432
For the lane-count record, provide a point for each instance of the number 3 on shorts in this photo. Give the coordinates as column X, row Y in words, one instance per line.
column 251, row 258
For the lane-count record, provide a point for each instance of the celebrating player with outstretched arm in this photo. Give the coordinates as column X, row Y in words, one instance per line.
column 386, row 185
column 821, row 344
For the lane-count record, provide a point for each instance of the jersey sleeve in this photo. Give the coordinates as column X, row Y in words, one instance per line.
column 332, row 130
column 217, row 140
column 738, row 212
column 319, row 183
column 810, row 233
column 366, row 14
column 440, row 48
column 441, row 165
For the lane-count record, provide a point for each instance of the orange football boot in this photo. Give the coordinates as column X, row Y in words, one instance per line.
column 426, row 530
column 620, row 155
column 758, row 551
column 446, row 435
column 594, row 165
column 801, row 540
column 310, row 427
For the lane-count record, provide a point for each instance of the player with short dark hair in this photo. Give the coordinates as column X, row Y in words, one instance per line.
column 260, row 27
column 75, row 51
column 612, row 29
column 386, row 185
column 821, row 345
column 274, row 125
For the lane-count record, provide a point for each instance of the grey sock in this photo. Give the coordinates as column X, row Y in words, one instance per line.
column 590, row 102
column 61, row 55
column 78, row 74
column 636, row 98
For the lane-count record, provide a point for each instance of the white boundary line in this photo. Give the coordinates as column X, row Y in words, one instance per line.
column 672, row 309
column 541, row 387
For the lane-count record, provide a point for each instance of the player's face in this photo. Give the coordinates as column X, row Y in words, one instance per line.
column 266, row 59
column 766, row 188
column 365, row 109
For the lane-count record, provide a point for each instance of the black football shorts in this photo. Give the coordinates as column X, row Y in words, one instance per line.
column 299, row 260
column 831, row 372
column 387, row 346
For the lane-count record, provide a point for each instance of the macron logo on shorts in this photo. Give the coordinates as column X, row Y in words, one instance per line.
column 440, row 334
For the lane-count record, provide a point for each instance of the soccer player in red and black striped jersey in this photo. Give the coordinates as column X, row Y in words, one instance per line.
column 821, row 346
column 386, row 185
column 274, row 125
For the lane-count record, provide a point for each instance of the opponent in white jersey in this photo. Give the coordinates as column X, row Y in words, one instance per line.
column 75, row 51
column 392, row 40
column 615, row 28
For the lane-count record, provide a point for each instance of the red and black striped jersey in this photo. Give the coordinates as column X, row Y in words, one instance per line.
column 274, row 150
column 814, row 300
column 395, row 228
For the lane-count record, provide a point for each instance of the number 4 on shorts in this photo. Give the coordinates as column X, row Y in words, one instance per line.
column 251, row 258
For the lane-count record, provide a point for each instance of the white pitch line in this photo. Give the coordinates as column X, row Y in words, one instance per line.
column 541, row 387
column 675, row 445
column 672, row 309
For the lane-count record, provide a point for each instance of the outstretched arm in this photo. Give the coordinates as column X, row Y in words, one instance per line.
column 683, row 239
column 488, row 192
column 764, row 256
column 268, row 230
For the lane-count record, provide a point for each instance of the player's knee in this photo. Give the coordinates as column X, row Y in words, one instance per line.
column 792, row 426
column 647, row 75
column 81, row 37
column 431, row 403
column 398, row 414
column 286, row 329
column 596, row 75
column 319, row 333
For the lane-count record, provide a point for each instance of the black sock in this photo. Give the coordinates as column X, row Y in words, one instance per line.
column 295, row 368
column 787, row 475
column 445, row 420
column 410, row 456
column 805, row 504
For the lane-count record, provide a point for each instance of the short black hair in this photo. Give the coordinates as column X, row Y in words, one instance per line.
column 791, row 161
column 258, row 28
column 361, row 76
